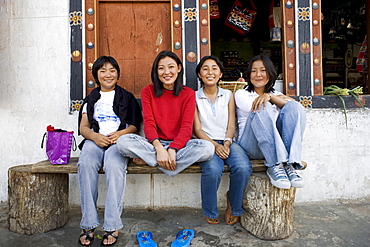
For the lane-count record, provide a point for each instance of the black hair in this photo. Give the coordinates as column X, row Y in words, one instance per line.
column 201, row 62
column 158, row 85
column 270, row 70
column 99, row 63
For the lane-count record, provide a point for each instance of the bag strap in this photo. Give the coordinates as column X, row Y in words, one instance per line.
column 42, row 142
column 74, row 145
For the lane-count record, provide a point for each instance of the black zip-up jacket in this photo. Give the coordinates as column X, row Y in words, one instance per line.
column 125, row 106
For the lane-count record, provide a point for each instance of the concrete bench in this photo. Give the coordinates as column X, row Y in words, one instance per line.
column 38, row 195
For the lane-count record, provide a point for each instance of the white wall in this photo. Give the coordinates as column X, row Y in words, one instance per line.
column 35, row 68
column 34, row 79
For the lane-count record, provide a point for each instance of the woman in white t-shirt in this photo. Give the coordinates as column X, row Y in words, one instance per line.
column 215, row 121
column 108, row 113
column 271, row 124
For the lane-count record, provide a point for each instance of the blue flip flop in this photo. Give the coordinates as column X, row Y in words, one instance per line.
column 145, row 239
column 183, row 238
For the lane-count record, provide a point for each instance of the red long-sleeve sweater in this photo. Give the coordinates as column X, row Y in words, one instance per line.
column 168, row 117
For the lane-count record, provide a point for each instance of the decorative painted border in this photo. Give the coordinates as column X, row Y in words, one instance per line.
column 76, row 78
column 304, row 67
column 289, row 51
column 204, row 28
column 177, row 26
column 317, row 48
column 191, row 54
column 332, row 101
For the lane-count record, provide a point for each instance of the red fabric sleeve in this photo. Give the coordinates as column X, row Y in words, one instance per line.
column 150, row 128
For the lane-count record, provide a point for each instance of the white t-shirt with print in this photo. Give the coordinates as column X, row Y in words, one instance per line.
column 108, row 121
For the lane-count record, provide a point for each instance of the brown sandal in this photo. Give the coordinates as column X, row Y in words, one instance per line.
column 229, row 218
column 213, row 221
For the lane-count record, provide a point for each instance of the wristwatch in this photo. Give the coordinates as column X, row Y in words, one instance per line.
column 229, row 139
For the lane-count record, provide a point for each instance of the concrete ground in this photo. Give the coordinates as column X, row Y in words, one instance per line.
column 318, row 224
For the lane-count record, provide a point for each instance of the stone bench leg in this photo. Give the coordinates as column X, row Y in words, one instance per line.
column 268, row 210
column 37, row 202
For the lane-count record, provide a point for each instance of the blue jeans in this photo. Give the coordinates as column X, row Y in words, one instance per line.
column 275, row 141
column 135, row 146
column 240, row 171
column 91, row 160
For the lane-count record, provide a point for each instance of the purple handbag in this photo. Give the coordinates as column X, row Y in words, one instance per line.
column 58, row 145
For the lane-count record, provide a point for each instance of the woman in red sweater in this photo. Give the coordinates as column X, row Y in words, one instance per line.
column 168, row 111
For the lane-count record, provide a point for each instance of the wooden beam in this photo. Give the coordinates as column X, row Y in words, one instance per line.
column 71, row 167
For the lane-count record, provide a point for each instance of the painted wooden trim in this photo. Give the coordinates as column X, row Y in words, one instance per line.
column 289, row 54
column 304, row 45
column 90, row 38
column 332, row 101
column 317, row 64
column 76, row 49
column 204, row 29
column 176, row 27
column 190, row 50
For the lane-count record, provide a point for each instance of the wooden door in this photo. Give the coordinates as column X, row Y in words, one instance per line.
column 133, row 32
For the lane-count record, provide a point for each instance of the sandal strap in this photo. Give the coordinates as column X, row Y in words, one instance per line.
column 86, row 233
column 109, row 234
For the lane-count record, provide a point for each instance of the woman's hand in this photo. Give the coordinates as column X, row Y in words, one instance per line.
column 262, row 99
column 166, row 158
column 101, row 140
column 113, row 137
column 172, row 158
column 222, row 151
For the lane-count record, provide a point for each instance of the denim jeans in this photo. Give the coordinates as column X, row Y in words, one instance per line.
column 91, row 160
column 275, row 141
column 240, row 171
column 135, row 146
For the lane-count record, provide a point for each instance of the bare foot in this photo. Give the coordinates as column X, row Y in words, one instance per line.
column 138, row 161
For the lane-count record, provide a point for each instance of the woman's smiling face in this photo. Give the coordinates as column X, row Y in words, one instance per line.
column 210, row 72
column 259, row 77
column 168, row 71
column 108, row 77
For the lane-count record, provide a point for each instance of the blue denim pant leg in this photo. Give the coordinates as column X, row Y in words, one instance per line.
column 240, row 171
column 210, row 181
column 261, row 138
column 135, row 146
column 291, row 124
column 196, row 150
column 115, row 166
column 89, row 163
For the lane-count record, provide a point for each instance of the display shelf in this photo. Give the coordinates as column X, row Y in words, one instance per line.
column 234, row 71
column 334, row 71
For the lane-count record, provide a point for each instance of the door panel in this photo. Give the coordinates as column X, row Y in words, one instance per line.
column 133, row 33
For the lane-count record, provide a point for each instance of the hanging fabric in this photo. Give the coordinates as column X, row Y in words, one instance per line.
column 361, row 63
column 240, row 19
column 214, row 9
column 275, row 22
